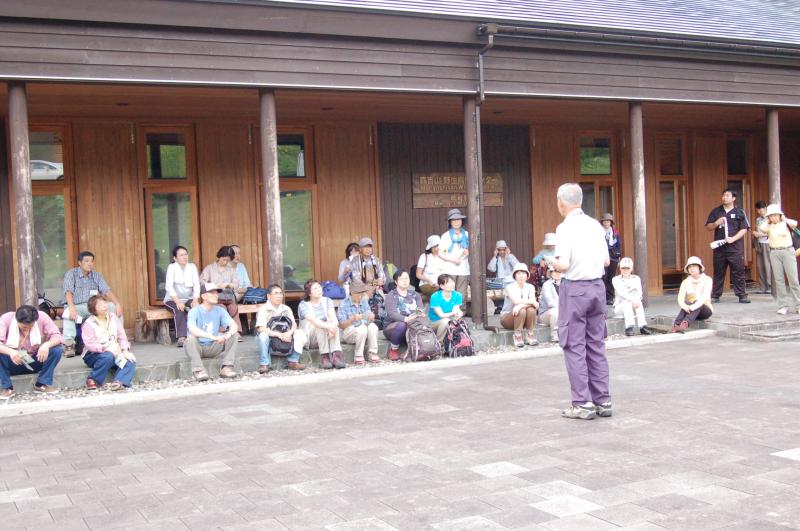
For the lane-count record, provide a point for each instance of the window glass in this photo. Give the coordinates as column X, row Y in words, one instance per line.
column 298, row 243
column 670, row 156
column 588, row 199
column 171, row 222
column 737, row 156
column 166, row 156
column 291, row 156
column 606, row 200
column 595, row 156
column 47, row 156
column 668, row 232
column 50, row 236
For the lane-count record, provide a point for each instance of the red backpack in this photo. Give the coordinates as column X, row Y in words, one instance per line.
column 457, row 341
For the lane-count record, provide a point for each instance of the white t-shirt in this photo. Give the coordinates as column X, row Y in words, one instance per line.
column 513, row 289
column 450, row 268
column 429, row 266
column 581, row 240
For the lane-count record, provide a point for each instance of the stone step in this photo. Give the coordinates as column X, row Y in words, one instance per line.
column 772, row 336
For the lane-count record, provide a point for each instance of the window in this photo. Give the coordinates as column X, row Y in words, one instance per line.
column 171, row 219
column 166, row 156
column 737, row 156
column 670, row 156
column 47, row 155
column 291, row 156
column 598, row 198
column 674, row 229
column 298, row 238
column 595, row 155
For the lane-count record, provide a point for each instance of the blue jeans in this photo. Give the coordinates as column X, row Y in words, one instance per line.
column 45, row 370
column 263, row 351
column 101, row 363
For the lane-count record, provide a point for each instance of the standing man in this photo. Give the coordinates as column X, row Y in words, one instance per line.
column 761, row 246
column 80, row 284
column 502, row 265
column 729, row 224
column 582, row 255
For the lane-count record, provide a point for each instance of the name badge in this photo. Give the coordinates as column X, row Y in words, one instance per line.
column 733, row 216
column 92, row 292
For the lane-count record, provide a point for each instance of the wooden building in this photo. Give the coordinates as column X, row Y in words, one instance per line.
column 294, row 127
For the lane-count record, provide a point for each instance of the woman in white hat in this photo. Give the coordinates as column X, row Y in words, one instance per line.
column 542, row 262
column 628, row 299
column 694, row 297
column 779, row 229
column 429, row 267
column 519, row 308
column 454, row 245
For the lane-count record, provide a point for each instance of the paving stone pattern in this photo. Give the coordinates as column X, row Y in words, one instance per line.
column 705, row 436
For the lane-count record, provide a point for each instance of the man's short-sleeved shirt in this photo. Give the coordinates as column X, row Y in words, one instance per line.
column 209, row 321
column 438, row 301
column 736, row 221
column 83, row 287
column 348, row 309
column 581, row 240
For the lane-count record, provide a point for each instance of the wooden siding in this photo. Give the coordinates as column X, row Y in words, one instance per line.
column 7, row 295
column 790, row 175
column 405, row 149
column 707, row 183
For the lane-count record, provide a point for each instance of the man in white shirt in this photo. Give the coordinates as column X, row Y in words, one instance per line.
column 581, row 255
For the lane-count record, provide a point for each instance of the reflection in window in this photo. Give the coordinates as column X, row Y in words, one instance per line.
column 606, row 199
column 737, row 156
column 588, row 199
column 51, row 245
column 291, row 156
column 595, row 156
column 670, row 156
column 668, row 226
column 166, row 156
column 298, row 248
column 47, row 156
column 171, row 222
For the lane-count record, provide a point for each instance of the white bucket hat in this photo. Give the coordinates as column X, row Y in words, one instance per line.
column 549, row 238
column 433, row 241
column 520, row 267
column 774, row 209
column 694, row 260
column 626, row 263
column 501, row 244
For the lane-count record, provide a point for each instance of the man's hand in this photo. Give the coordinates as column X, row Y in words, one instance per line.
column 43, row 352
column 220, row 339
column 729, row 239
column 720, row 221
column 357, row 317
column 370, row 317
column 457, row 313
column 72, row 312
column 286, row 336
column 180, row 305
column 128, row 355
column 15, row 359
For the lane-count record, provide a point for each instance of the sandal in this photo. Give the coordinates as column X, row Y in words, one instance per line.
column 116, row 386
column 374, row 358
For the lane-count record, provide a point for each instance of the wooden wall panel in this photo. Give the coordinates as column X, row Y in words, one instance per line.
column 228, row 198
column 346, row 189
column 109, row 209
column 553, row 165
column 790, row 174
column 705, row 190
column 7, row 296
column 406, row 149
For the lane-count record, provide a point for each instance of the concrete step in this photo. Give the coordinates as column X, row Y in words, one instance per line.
column 772, row 336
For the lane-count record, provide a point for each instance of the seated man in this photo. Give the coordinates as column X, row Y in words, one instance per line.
column 356, row 322
column 29, row 343
column 502, row 264
column 81, row 283
column 205, row 322
column 274, row 307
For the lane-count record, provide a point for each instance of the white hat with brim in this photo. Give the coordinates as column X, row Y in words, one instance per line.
column 774, row 209
column 549, row 238
column 520, row 267
column 433, row 241
column 626, row 263
column 694, row 260
column 501, row 244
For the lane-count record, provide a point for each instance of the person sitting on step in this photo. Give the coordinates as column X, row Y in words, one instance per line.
column 367, row 267
column 29, row 343
column 519, row 307
column 182, row 290
column 318, row 320
column 402, row 305
column 501, row 264
column 206, row 339
column 105, row 345
column 445, row 306
column 694, row 297
column 274, row 307
column 628, row 299
column 429, row 265
column 548, row 303
column 223, row 275
column 356, row 323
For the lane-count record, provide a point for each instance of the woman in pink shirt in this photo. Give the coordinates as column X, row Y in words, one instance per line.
column 106, row 345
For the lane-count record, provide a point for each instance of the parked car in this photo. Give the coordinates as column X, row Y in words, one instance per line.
column 43, row 170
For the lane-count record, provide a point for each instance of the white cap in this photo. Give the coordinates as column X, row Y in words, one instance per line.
column 433, row 241
column 774, row 209
column 626, row 263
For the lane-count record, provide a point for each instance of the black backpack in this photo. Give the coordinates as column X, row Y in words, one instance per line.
column 422, row 342
column 278, row 347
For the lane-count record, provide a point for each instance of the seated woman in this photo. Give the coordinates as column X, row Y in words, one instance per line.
column 429, row 266
column 104, row 345
column 241, row 272
column 519, row 308
column 182, row 290
column 445, row 305
column 402, row 305
column 694, row 297
column 224, row 276
column 548, row 303
column 628, row 299
column 345, row 268
column 318, row 321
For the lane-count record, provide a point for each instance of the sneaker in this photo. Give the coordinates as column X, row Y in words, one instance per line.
column 714, row 299
column 553, row 338
column 629, row 331
column 200, row 375
column 227, row 372
column 583, row 412
column 296, row 366
column 675, row 329
column 6, row 394
column 325, row 361
column 683, row 327
column 394, row 354
column 744, row 300
column 180, row 342
column 91, row 385
column 646, row 331
column 518, row 340
column 783, row 311
column 69, row 350
column 530, row 339
column 45, row 389
column 263, row 369
column 603, row 410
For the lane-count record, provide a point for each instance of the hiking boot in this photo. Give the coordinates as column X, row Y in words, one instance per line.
column 603, row 410
column 393, row 354
column 530, row 339
column 296, row 366
column 227, row 372
column 200, row 375
column 6, row 394
column 69, row 350
column 683, row 327
column 629, row 331
column 744, row 300
column 325, row 361
column 91, row 385
column 45, row 389
column 582, row 412
column 646, row 331
column 263, row 369
column 337, row 361
column 518, row 340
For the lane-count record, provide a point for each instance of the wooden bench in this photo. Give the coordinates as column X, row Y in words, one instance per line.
column 152, row 324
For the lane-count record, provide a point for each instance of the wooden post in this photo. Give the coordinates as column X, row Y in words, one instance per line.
column 271, row 182
column 774, row 156
column 22, row 191
column 639, row 195
column 475, row 228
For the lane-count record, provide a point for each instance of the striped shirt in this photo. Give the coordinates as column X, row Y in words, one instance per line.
column 319, row 312
column 83, row 287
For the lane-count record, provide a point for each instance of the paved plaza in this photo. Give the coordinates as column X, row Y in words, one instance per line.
column 705, row 436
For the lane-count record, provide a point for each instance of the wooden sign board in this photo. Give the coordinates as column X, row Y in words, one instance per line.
column 449, row 190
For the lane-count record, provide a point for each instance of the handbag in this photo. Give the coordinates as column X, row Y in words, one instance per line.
column 227, row 295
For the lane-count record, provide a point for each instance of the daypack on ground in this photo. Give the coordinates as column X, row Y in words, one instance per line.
column 422, row 342
column 458, row 342
column 278, row 347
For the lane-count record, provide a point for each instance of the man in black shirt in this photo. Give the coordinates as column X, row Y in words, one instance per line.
column 729, row 224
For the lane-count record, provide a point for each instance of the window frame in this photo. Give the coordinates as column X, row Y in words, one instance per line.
column 681, row 188
column 611, row 179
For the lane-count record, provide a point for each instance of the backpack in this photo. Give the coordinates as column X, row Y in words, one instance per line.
column 378, row 309
column 332, row 290
column 422, row 342
column 457, row 341
column 412, row 272
column 47, row 306
column 278, row 347
column 255, row 296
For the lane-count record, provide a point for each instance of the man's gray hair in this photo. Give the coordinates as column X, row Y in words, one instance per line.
column 570, row 194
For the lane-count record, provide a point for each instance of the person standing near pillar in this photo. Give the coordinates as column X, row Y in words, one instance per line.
column 614, row 252
column 761, row 247
column 730, row 225
column 581, row 254
column 454, row 250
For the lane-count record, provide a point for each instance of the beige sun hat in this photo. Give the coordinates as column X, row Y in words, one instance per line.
column 520, row 267
column 549, row 238
column 433, row 241
column 694, row 260
column 774, row 209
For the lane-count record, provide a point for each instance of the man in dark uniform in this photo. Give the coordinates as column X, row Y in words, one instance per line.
column 729, row 224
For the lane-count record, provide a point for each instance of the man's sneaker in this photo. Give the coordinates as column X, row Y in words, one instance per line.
column 6, row 394
column 603, row 410
column 582, row 412
column 227, row 372
column 646, row 331
column 201, row 375
column 69, row 350
column 744, row 300
column 45, row 389
column 629, row 331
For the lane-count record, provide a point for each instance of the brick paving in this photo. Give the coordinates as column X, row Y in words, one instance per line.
column 705, row 436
